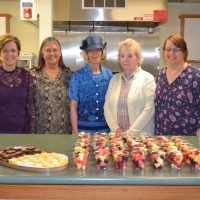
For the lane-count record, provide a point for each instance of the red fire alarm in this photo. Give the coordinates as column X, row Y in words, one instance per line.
column 28, row 10
column 27, row 13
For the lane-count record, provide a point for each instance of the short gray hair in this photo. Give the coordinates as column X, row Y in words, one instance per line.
column 136, row 48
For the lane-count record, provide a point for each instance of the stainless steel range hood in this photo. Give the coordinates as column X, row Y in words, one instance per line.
column 124, row 18
column 127, row 10
column 113, row 15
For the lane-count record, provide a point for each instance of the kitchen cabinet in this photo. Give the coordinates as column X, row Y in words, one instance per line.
column 128, row 184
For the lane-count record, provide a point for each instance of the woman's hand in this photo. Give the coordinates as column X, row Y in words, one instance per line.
column 198, row 132
column 130, row 133
column 120, row 131
column 73, row 116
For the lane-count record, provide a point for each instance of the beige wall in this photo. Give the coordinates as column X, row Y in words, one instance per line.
column 29, row 33
column 173, row 24
column 60, row 9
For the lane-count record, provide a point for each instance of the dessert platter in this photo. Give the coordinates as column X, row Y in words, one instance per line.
column 32, row 159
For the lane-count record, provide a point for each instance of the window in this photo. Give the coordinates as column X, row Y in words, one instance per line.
column 120, row 3
column 104, row 3
column 110, row 3
column 88, row 3
column 99, row 3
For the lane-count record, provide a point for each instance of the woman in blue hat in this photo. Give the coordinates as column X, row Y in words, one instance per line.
column 88, row 87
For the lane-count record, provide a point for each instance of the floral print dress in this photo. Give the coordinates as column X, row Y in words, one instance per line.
column 177, row 105
column 52, row 102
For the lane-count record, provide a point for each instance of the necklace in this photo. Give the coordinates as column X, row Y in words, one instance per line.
column 10, row 78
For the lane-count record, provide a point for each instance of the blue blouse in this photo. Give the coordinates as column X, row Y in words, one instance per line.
column 89, row 91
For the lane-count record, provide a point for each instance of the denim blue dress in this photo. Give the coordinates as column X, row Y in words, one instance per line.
column 89, row 91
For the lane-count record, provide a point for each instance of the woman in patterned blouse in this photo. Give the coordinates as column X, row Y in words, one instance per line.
column 129, row 104
column 177, row 98
column 17, row 106
column 51, row 79
column 88, row 87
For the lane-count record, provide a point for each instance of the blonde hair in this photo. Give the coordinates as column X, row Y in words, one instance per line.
column 85, row 56
column 134, row 45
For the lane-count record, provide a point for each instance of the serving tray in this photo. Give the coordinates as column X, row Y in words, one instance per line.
column 8, row 153
column 34, row 169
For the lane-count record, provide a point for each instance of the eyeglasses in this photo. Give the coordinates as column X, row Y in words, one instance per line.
column 174, row 50
column 51, row 50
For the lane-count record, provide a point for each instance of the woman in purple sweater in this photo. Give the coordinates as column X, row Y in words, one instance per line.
column 17, row 107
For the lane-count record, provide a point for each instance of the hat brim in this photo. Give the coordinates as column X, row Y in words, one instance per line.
column 95, row 46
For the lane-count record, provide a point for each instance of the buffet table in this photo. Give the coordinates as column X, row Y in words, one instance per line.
column 150, row 183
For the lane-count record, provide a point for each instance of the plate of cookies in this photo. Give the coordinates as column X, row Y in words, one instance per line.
column 32, row 159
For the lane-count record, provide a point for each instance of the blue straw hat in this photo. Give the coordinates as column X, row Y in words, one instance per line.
column 92, row 42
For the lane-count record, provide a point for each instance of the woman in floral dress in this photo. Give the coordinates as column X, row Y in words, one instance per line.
column 177, row 97
column 51, row 79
